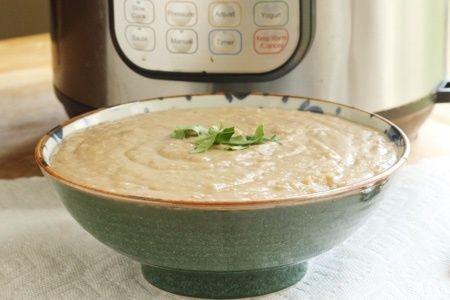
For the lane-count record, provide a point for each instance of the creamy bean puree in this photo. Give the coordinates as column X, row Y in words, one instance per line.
column 138, row 156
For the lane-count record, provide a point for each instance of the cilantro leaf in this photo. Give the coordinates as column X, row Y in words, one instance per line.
column 225, row 137
column 204, row 143
column 182, row 132
column 259, row 132
column 239, row 140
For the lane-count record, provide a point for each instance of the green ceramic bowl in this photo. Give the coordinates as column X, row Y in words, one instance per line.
column 221, row 249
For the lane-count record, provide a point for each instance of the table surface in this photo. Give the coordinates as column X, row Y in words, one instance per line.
column 29, row 108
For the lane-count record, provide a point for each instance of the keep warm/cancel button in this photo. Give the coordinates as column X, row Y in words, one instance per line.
column 270, row 41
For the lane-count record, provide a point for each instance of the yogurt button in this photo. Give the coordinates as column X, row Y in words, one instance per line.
column 139, row 11
column 141, row 38
column 181, row 13
column 271, row 13
column 225, row 14
column 225, row 41
column 182, row 41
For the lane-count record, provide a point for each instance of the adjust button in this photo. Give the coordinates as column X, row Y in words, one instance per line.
column 182, row 41
column 271, row 13
column 141, row 38
column 225, row 41
column 224, row 14
column 139, row 11
column 181, row 13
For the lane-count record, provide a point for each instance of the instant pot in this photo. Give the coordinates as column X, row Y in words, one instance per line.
column 385, row 56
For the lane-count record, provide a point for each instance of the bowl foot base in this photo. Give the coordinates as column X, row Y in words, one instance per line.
column 223, row 285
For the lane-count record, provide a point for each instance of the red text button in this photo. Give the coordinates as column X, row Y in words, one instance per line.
column 270, row 41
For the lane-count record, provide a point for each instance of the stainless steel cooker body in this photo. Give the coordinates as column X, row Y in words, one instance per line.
column 382, row 56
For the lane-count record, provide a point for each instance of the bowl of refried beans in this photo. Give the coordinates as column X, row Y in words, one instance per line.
column 222, row 195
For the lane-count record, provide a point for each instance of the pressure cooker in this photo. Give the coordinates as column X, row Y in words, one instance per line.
column 384, row 56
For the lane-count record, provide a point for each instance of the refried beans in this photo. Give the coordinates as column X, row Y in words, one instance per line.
column 138, row 156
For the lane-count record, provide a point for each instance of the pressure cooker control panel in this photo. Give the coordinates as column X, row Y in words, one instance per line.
column 207, row 36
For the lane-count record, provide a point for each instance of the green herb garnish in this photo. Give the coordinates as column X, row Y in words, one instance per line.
column 182, row 132
column 217, row 135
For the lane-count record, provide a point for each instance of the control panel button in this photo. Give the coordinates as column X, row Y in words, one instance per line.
column 225, row 41
column 141, row 38
column 181, row 13
column 139, row 11
column 182, row 41
column 270, row 41
column 271, row 13
column 224, row 14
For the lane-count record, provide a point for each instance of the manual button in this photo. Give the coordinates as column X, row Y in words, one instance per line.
column 139, row 11
column 141, row 38
column 271, row 13
column 182, row 41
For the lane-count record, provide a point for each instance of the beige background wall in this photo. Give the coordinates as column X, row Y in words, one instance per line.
column 23, row 17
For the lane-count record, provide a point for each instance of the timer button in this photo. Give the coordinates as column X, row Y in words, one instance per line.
column 271, row 13
column 182, row 41
column 225, row 41
column 181, row 13
column 139, row 11
column 224, row 14
column 141, row 38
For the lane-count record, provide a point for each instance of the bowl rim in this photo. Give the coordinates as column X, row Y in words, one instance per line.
column 363, row 186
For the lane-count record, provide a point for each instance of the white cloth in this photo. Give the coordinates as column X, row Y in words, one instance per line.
column 402, row 252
